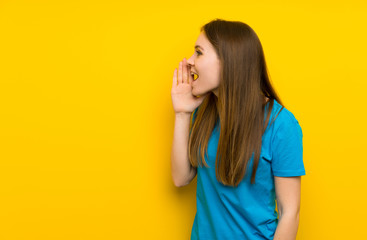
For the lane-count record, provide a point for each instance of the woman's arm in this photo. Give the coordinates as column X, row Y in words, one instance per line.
column 288, row 194
column 181, row 169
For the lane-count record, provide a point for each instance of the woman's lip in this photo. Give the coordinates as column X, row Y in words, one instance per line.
column 192, row 72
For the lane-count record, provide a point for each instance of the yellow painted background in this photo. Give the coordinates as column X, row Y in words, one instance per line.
column 86, row 118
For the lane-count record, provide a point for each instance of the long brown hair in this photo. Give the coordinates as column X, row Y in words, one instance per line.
column 240, row 105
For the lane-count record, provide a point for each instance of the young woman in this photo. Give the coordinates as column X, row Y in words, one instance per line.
column 230, row 119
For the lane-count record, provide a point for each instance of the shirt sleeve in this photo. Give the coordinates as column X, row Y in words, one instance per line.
column 287, row 150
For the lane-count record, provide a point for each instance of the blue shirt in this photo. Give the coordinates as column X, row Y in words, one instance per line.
column 247, row 212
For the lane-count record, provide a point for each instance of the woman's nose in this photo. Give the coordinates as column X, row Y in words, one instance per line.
column 190, row 61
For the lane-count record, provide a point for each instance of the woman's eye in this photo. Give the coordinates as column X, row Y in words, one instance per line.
column 199, row 53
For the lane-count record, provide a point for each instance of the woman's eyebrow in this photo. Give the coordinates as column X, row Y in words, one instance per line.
column 198, row 46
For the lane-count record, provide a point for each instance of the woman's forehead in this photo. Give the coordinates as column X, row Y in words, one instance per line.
column 202, row 42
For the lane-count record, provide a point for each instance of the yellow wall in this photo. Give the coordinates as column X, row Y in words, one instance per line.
column 86, row 118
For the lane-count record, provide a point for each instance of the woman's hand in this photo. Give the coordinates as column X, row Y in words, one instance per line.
column 182, row 99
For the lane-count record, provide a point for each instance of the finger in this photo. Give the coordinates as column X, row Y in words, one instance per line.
column 180, row 73
column 190, row 78
column 174, row 83
column 184, row 74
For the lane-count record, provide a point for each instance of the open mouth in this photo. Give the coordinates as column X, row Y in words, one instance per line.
column 194, row 76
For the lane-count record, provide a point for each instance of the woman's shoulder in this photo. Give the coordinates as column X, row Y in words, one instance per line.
column 283, row 115
column 285, row 120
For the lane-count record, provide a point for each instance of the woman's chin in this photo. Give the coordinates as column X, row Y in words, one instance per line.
column 194, row 93
column 197, row 94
